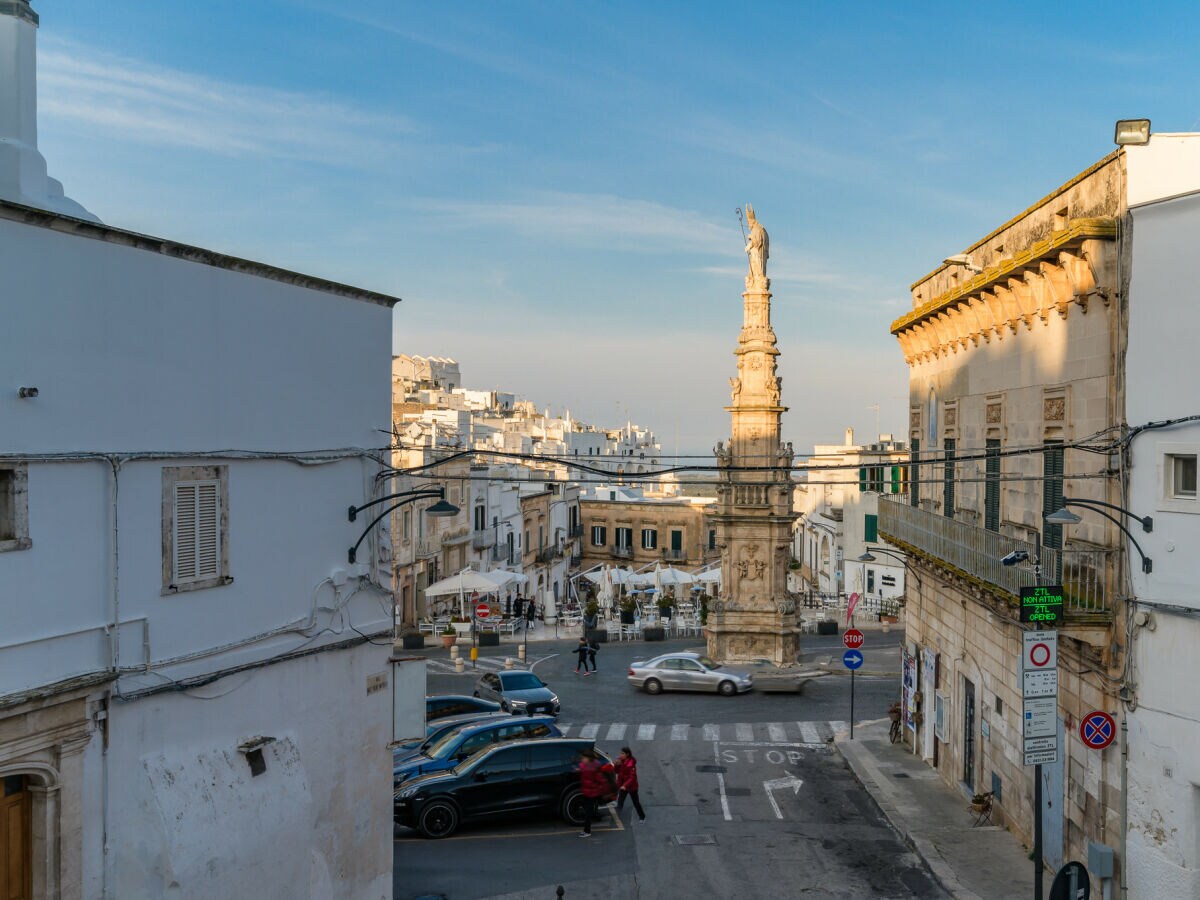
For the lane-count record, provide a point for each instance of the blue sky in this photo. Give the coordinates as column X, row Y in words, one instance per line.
column 551, row 186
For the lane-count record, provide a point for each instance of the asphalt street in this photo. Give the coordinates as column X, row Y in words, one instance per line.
column 744, row 796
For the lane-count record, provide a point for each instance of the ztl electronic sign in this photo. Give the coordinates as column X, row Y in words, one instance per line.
column 1042, row 605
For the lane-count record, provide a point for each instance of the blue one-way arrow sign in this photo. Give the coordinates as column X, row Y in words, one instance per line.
column 852, row 659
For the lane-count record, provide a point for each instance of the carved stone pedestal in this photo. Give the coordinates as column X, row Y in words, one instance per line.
column 746, row 636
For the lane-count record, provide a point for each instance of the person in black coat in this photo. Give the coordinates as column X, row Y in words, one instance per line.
column 582, row 650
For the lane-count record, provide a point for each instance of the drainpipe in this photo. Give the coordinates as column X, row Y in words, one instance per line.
column 1124, row 805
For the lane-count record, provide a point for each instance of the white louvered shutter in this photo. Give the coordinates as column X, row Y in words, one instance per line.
column 197, row 531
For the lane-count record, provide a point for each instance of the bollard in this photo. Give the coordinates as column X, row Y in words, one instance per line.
column 454, row 651
column 474, row 653
column 558, row 893
column 521, row 652
column 459, row 664
column 508, row 662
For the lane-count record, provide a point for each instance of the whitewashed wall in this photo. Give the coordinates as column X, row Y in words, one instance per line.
column 1163, row 374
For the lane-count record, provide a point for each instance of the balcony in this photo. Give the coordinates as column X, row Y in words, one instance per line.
column 426, row 549
column 1088, row 576
column 575, row 531
column 548, row 554
column 675, row 555
column 500, row 553
column 622, row 552
column 481, row 540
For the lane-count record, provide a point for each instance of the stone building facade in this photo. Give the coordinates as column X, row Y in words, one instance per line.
column 638, row 532
column 1013, row 350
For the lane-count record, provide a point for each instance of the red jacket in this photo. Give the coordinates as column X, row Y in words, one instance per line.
column 627, row 774
column 593, row 781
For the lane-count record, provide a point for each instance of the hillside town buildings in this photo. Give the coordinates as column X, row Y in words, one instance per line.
column 1037, row 385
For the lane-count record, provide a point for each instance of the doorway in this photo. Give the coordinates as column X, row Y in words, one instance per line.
column 16, row 839
column 969, row 733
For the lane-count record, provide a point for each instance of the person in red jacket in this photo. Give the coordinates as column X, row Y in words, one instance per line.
column 597, row 784
column 627, row 783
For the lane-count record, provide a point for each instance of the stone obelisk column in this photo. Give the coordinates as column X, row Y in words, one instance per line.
column 754, row 618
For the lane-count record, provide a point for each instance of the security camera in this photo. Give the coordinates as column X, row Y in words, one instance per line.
column 1017, row 556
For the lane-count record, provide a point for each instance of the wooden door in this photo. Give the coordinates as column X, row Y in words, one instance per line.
column 16, row 864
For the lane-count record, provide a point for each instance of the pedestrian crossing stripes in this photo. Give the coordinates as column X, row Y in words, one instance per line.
column 484, row 663
column 808, row 733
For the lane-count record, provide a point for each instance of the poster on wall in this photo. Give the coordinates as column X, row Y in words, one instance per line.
column 910, row 688
column 928, row 687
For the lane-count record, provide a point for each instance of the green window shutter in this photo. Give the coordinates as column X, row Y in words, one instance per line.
column 1052, row 490
column 862, row 479
column 948, row 478
column 914, row 479
column 895, row 479
column 870, row 529
column 991, row 494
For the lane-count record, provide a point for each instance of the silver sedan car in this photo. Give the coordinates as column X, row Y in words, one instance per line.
column 688, row 672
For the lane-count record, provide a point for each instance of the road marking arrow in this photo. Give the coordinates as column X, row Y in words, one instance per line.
column 775, row 783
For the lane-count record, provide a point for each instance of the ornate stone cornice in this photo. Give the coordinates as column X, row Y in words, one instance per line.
column 1070, row 266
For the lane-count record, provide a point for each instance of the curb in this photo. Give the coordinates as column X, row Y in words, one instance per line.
column 873, row 782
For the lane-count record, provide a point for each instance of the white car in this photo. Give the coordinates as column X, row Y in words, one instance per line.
column 688, row 672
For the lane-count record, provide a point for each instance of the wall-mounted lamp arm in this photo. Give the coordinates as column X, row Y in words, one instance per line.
column 1147, row 522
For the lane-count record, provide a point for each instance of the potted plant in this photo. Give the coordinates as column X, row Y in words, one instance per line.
column 460, row 625
column 412, row 639
column 654, row 633
column 628, row 610
column 449, row 636
column 704, row 598
column 591, row 615
column 666, row 606
column 488, row 638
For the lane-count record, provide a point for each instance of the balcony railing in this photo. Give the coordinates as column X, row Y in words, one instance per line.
column 427, row 548
column 500, row 553
column 1088, row 576
column 675, row 555
column 622, row 552
column 481, row 540
column 575, row 531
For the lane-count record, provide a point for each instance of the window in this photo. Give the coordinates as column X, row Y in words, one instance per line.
column 480, row 518
column 195, row 528
column 1182, row 474
column 14, row 507
column 509, row 538
column 599, row 535
column 649, row 539
column 508, row 761
column 551, row 757
column 625, row 538
column 1052, row 491
column 948, row 478
column 870, row 581
column 991, row 490
column 712, row 539
column 676, row 540
column 406, row 524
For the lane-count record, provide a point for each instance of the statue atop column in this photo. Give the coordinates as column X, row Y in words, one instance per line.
column 758, row 247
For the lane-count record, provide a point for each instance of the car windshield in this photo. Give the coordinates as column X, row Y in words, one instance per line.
column 520, row 681
column 709, row 663
column 440, row 747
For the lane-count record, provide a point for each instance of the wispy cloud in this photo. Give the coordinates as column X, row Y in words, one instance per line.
column 125, row 99
column 602, row 220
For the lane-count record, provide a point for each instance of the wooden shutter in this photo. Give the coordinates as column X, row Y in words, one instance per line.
column 1052, row 491
column 948, row 479
column 914, row 480
column 870, row 528
column 991, row 496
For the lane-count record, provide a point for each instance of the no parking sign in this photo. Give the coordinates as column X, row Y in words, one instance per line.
column 1097, row 729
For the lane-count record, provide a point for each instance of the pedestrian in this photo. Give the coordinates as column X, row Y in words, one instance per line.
column 530, row 611
column 597, row 783
column 582, row 650
column 519, row 607
column 593, row 647
column 627, row 783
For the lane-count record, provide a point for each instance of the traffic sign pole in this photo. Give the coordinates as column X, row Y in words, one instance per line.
column 852, row 659
column 851, row 704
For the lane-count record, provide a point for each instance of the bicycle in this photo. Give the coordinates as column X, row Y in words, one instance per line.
column 894, row 714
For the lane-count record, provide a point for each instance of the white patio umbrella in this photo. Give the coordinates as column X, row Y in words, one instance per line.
column 712, row 576
column 505, row 577
column 463, row 584
column 662, row 577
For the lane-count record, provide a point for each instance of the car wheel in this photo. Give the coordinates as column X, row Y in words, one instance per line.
column 438, row 819
column 475, row 695
column 653, row 686
column 572, row 807
column 726, row 688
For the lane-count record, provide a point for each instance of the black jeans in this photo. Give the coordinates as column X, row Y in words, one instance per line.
column 582, row 662
column 589, row 812
column 637, row 802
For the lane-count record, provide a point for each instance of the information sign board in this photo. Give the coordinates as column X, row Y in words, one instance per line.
column 1039, row 684
column 1042, row 605
column 1040, row 717
column 1041, row 757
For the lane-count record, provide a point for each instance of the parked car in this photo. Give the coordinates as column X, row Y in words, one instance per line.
column 518, row 692
column 688, row 672
column 456, row 705
column 438, row 727
column 459, row 743
column 502, row 780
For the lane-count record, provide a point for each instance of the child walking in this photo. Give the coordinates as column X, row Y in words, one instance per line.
column 582, row 650
column 627, row 783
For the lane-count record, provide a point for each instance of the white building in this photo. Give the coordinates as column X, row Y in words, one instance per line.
column 838, row 501
column 1163, row 814
column 189, row 706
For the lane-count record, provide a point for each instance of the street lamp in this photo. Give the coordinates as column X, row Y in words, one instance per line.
column 1064, row 516
column 439, row 510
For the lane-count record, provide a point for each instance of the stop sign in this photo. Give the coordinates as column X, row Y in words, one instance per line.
column 482, row 611
column 852, row 638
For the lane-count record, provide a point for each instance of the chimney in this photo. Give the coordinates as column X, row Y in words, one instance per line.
column 849, row 437
column 23, row 177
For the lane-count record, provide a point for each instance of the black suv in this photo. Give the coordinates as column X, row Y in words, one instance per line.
column 518, row 777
